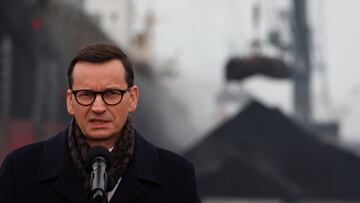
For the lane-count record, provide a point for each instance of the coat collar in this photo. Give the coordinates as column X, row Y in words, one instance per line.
column 146, row 162
column 56, row 163
column 145, row 166
column 53, row 157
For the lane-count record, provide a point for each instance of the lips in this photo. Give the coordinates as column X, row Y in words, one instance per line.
column 98, row 120
column 98, row 123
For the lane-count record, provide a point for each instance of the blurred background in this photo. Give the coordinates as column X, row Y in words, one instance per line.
column 261, row 96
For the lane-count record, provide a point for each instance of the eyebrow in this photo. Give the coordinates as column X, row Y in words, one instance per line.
column 108, row 88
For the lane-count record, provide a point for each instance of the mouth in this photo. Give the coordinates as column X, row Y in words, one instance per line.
column 99, row 123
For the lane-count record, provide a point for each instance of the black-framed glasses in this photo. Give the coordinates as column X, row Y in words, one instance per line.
column 110, row 97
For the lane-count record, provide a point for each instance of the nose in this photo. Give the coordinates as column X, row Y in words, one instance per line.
column 98, row 106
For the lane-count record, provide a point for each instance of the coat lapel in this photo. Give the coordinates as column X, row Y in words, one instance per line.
column 145, row 166
column 56, row 163
column 68, row 184
column 128, row 189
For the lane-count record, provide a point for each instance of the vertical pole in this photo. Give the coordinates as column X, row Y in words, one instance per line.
column 52, row 99
column 302, row 75
column 5, row 91
column 39, row 106
column 129, row 23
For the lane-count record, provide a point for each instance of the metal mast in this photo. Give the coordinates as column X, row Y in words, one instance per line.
column 6, row 47
column 302, row 74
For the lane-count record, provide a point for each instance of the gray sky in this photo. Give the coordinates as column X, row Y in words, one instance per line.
column 204, row 33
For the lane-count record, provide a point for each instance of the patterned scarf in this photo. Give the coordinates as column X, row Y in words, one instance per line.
column 121, row 154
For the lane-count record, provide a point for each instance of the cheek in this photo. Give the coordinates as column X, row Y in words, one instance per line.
column 120, row 115
column 80, row 114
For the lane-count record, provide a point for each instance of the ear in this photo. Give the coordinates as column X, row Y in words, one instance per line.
column 69, row 102
column 134, row 96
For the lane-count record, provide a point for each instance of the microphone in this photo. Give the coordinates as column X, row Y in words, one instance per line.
column 98, row 161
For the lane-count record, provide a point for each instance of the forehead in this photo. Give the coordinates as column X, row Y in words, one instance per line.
column 97, row 75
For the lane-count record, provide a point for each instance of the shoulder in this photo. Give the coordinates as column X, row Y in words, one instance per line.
column 19, row 166
column 147, row 151
column 26, row 153
column 179, row 172
column 173, row 173
column 171, row 159
column 150, row 159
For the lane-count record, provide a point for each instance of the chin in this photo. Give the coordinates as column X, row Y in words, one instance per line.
column 99, row 135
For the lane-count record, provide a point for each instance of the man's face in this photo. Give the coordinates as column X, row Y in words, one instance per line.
column 100, row 122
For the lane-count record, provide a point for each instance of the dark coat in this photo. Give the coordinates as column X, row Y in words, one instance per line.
column 44, row 173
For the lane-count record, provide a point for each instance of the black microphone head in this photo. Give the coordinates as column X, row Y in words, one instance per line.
column 98, row 152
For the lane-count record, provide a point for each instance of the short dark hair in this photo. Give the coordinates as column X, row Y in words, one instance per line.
column 100, row 53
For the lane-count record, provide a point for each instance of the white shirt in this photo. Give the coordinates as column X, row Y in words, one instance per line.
column 111, row 193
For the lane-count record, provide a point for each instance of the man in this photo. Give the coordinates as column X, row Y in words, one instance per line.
column 100, row 97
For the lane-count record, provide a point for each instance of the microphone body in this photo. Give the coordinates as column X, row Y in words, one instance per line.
column 98, row 179
column 98, row 162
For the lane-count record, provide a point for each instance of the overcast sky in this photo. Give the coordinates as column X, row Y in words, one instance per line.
column 203, row 34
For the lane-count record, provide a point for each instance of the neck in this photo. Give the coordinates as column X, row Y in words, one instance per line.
column 104, row 143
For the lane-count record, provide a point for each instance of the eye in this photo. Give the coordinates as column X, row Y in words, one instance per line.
column 111, row 93
column 85, row 93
